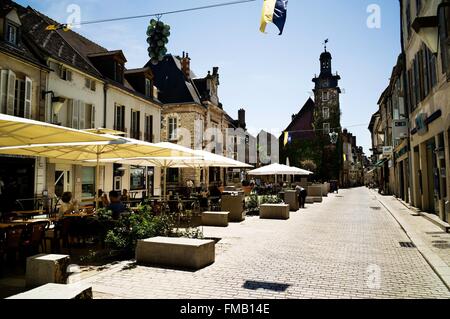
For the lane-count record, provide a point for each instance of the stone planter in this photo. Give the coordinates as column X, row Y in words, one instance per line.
column 234, row 205
column 45, row 269
column 274, row 211
column 57, row 292
column 291, row 198
column 324, row 190
column 176, row 252
column 315, row 191
column 216, row 219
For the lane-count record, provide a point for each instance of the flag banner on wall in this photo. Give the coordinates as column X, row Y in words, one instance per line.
column 274, row 11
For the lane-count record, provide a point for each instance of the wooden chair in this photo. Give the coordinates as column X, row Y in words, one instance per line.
column 2, row 249
column 35, row 238
column 13, row 241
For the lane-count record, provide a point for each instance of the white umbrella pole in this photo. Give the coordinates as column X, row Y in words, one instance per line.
column 97, row 178
column 165, row 183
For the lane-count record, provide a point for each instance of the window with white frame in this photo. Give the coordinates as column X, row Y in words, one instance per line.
column 65, row 74
column 172, row 128
column 326, row 128
column 148, row 88
column 149, row 128
column 90, row 84
column 326, row 113
column 90, row 116
column 135, row 125
column 15, row 94
column 198, row 133
column 119, row 118
column 11, row 33
column 325, row 96
column 76, row 114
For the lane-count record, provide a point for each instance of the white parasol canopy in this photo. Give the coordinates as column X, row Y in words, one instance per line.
column 279, row 169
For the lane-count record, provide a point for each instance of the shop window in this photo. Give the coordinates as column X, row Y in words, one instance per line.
column 88, row 182
column 137, row 178
column 172, row 175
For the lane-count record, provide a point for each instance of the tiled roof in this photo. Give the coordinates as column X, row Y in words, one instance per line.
column 59, row 44
column 24, row 48
column 172, row 84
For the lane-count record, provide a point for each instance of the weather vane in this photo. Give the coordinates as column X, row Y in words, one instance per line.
column 325, row 44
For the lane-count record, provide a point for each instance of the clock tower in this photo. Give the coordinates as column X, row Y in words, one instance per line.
column 327, row 117
column 327, row 112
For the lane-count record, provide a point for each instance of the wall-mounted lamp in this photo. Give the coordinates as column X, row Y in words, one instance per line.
column 57, row 101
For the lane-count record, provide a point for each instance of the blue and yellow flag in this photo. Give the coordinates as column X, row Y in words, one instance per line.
column 287, row 138
column 274, row 11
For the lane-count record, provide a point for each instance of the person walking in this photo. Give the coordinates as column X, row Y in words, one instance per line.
column 302, row 194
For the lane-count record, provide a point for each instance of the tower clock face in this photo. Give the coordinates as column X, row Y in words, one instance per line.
column 325, row 83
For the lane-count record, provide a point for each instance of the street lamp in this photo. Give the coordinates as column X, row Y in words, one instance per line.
column 334, row 137
column 57, row 103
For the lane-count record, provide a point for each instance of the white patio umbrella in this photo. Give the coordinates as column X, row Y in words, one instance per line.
column 17, row 131
column 278, row 169
column 198, row 159
column 106, row 147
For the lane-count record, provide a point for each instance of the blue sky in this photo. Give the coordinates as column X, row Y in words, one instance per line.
column 269, row 75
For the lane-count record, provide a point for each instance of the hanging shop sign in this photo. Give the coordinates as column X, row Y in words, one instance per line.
column 421, row 126
column 388, row 150
column 400, row 129
column 423, row 121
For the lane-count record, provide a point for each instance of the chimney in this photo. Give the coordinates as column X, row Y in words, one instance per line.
column 186, row 65
column 241, row 118
column 215, row 70
column 293, row 116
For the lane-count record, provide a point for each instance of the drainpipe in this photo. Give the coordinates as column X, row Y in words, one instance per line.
column 407, row 106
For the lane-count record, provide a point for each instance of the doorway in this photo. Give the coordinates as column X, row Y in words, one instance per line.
column 433, row 177
column 63, row 179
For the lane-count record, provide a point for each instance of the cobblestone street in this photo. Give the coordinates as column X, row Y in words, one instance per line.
column 347, row 247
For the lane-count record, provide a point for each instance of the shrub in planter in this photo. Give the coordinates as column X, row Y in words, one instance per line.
column 134, row 226
column 252, row 205
column 271, row 199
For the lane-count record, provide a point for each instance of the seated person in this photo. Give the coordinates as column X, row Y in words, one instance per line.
column 215, row 191
column 204, row 194
column 116, row 205
column 68, row 205
column 104, row 201
column 125, row 197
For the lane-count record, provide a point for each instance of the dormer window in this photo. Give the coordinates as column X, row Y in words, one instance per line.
column 118, row 72
column 11, row 33
column 148, row 88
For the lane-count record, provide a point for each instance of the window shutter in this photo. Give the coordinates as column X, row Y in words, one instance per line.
column 28, row 97
column 75, row 110
column 115, row 117
column 3, row 90
column 11, row 93
column 69, row 75
column 70, row 107
column 93, row 116
column 81, row 115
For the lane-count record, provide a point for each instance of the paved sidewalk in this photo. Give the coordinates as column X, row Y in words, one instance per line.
column 346, row 247
column 432, row 242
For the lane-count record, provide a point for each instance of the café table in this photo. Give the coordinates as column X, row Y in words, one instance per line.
column 28, row 214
